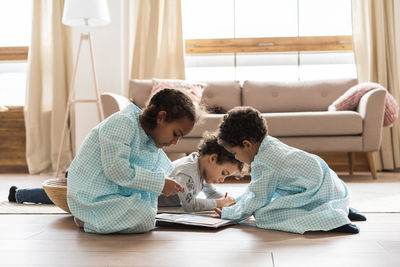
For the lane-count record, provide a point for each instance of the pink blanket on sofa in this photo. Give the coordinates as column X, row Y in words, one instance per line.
column 350, row 99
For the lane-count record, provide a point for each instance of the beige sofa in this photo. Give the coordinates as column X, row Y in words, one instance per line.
column 296, row 113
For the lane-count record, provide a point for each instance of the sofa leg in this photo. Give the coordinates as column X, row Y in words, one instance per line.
column 371, row 163
column 350, row 155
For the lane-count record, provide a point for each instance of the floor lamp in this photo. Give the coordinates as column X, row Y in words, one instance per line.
column 86, row 13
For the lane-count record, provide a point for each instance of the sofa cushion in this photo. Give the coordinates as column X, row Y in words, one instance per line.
column 225, row 94
column 139, row 91
column 209, row 123
column 193, row 89
column 343, row 143
column 293, row 96
column 322, row 123
column 319, row 123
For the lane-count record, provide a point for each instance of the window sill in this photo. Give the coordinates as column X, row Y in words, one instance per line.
column 11, row 108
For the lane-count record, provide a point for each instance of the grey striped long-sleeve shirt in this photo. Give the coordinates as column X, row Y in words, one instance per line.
column 187, row 173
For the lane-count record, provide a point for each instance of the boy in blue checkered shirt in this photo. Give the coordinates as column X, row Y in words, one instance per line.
column 290, row 190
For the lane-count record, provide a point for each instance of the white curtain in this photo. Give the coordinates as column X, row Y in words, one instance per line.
column 47, row 88
column 158, row 49
column 375, row 48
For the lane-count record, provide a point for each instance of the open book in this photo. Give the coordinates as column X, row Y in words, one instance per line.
column 180, row 210
column 193, row 219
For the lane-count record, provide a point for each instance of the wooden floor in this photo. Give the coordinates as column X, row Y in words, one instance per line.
column 54, row 240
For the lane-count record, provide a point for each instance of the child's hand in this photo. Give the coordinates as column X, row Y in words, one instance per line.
column 171, row 187
column 225, row 202
column 217, row 214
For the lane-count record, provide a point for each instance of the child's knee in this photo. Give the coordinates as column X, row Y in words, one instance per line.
column 145, row 221
column 140, row 226
column 138, row 229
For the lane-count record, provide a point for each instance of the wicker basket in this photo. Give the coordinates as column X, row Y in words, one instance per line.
column 56, row 189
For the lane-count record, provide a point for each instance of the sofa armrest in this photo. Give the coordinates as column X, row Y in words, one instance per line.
column 112, row 103
column 371, row 109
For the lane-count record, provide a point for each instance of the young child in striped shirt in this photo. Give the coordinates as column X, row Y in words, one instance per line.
column 197, row 172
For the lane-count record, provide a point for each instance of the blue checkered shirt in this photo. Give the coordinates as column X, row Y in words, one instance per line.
column 116, row 177
column 292, row 191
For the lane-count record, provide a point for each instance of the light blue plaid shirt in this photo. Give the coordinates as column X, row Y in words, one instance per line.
column 116, row 177
column 292, row 191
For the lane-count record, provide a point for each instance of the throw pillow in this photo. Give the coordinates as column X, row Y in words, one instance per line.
column 391, row 110
column 350, row 99
column 193, row 89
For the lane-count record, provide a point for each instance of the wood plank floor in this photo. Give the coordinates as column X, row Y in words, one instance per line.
column 54, row 240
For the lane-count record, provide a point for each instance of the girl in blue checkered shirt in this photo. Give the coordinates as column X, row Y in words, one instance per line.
column 120, row 170
column 290, row 190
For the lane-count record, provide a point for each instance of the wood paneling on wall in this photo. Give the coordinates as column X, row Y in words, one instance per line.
column 12, row 142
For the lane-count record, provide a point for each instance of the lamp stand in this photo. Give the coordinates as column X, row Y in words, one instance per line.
column 71, row 94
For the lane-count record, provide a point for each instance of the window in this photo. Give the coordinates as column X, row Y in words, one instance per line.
column 268, row 39
column 15, row 28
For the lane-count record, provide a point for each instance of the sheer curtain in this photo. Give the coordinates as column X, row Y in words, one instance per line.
column 374, row 42
column 158, row 50
column 47, row 88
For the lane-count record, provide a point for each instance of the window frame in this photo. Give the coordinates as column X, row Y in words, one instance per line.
column 270, row 44
column 14, row 53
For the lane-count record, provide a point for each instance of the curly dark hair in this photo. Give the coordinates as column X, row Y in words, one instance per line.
column 242, row 123
column 209, row 145
column 176, row 104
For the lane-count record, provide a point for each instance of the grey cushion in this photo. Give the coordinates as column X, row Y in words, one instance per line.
column 215, row 93
column 225, row 94
column 139, row 91
column 209, row 123
column 318, row 123
column 293, row 96
column 322, row 123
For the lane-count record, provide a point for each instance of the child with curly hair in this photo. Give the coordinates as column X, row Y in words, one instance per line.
column 290, row 190
column 197, row 172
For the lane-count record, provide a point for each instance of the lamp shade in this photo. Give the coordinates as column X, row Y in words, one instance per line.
column 86, row 13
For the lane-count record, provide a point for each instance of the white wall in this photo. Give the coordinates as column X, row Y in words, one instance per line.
column 109, row 61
